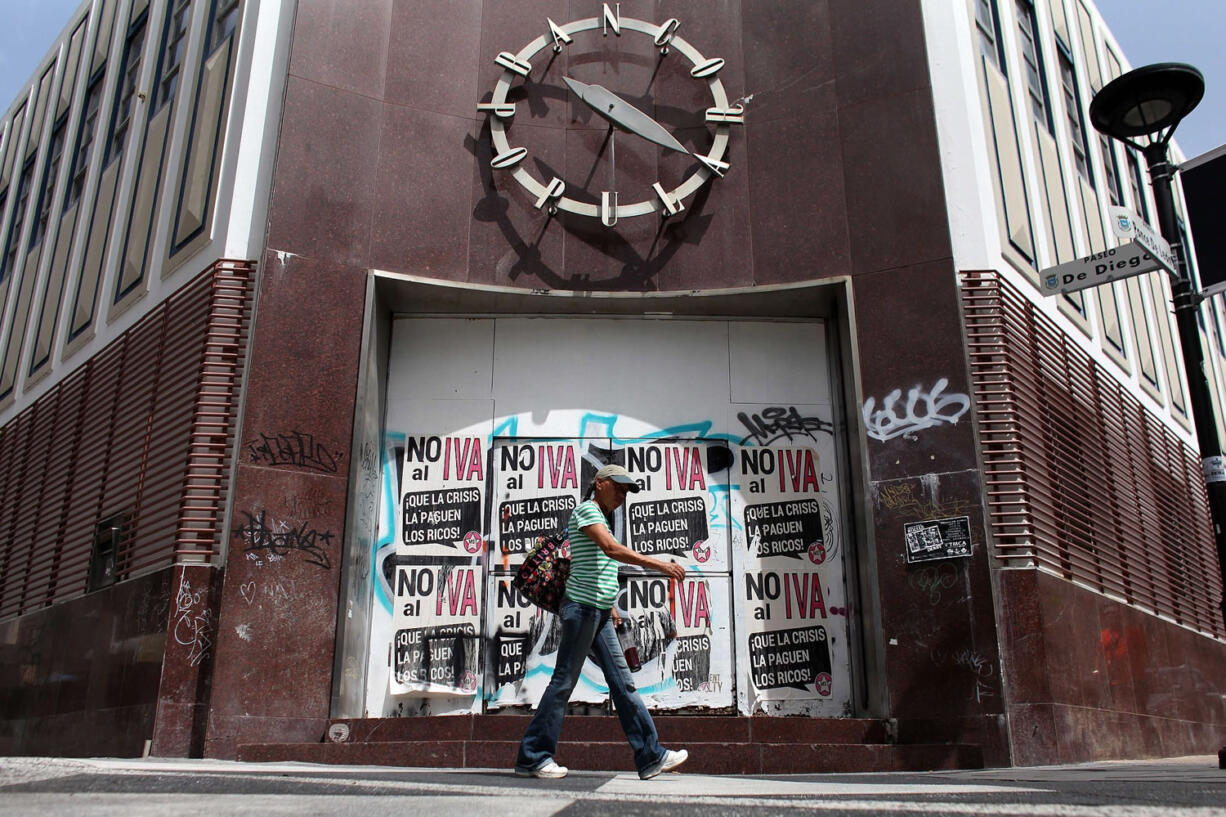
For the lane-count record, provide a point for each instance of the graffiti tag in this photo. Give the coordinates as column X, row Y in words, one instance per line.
column 294, row 449
column 192, row 629
column 932, row 581
column 776, row 423
column 922, row 409
column 280, row 539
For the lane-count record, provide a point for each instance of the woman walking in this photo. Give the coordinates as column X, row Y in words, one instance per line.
column 587, row 629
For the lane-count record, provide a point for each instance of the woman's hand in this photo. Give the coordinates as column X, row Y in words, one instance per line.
column 673, row 570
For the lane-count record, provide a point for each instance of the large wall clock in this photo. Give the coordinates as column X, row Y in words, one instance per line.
column 622, row 117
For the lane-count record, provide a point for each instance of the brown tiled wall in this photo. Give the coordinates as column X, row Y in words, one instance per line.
column 1090, row 678
column 81, row 678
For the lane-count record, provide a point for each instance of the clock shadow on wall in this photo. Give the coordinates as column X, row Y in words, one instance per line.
column 638, row 268
column 623, row 159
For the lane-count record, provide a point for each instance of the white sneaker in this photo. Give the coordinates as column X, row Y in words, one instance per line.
column 670, row 761
column 550, row 769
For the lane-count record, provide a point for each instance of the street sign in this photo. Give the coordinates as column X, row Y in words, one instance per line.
column 1119, row 262
column 1128, row 226
column 1204, row 179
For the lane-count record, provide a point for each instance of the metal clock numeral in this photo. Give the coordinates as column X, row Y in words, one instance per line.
column 513, row 63
column 554, row 190
column 612, row 20
column 608, row 208
column 671, row 205
column 509, row 158
column 560, row 37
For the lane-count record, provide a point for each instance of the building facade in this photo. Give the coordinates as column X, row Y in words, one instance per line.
column 318, row 314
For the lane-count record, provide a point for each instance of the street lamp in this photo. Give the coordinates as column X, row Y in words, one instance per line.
column 1147, row 104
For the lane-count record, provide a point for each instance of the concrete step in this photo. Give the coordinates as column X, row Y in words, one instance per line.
column 705, row 757
column 717, row 745
column 720, row 728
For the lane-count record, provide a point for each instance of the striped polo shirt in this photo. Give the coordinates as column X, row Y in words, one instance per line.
column 593, row 575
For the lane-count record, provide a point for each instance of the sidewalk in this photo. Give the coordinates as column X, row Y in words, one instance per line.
column 1192, row 769
column 161, row 787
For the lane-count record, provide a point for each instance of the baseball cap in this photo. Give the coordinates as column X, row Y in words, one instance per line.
column 619, row 475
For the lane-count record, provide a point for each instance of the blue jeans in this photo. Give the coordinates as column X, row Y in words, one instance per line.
column 588, row 631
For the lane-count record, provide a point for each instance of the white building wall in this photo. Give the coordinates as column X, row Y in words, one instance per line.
column 969, row 131
column 236, row 178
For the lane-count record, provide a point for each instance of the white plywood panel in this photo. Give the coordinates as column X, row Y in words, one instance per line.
column 561, row 372
column 445, row 358
column 788, row 549
column 426, row 416
column 778, row 362
column 682, row 635
column 522, row 648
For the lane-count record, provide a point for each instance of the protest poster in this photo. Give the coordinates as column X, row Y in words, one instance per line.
column 442, row 497
column 683, row 635
column 536, row 486
column 437, row 629
column 787, row 635
column 680, row 513
column 521, row 648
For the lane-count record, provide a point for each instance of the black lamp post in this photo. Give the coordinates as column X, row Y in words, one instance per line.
column 1147, row 104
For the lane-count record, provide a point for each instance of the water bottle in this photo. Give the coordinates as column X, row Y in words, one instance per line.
column 625, row 637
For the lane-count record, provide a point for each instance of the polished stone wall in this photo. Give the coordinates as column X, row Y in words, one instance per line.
column 1091, row 678
column 81, row 678
column 383, row 163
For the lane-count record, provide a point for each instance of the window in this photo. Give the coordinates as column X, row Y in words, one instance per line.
column 1136, row 185
column 225, row 18
column 1109, row 305
column 172, row 52
column 125, row 101
column 9, row 262
column 1143, row 333
column 1036, row 85
column 1114, row 186
column 987, row 25
column 1217, row 325
column 110, row 536
column 50, row 173
column 85, row 141
column 1076, row 120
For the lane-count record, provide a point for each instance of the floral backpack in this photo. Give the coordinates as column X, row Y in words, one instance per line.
column 542, row 576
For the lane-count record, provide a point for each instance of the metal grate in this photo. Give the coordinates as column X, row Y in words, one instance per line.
column 1083, row 481
column 142, row 432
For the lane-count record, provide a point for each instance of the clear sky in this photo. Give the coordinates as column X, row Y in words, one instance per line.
column 28, row 29
column 1191, row 31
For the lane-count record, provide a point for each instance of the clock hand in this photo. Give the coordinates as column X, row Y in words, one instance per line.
column 621, row 113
